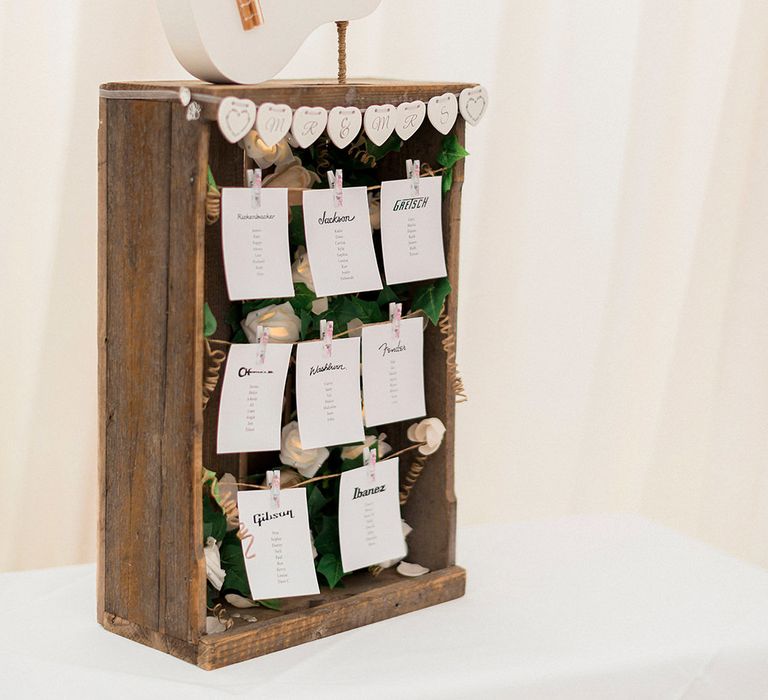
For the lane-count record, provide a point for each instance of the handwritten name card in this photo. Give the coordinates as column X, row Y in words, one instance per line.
column 340, row 242
column 393, row 372
column 328, row 394
column 370, row 531
column 412, row 230
column 277, row 545
column 252, row 398
column 257, row 259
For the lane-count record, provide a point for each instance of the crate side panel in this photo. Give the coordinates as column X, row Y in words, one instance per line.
column 182, row 566
column 137, row 223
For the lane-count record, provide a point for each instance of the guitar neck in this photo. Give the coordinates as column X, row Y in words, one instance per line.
column 250, row 13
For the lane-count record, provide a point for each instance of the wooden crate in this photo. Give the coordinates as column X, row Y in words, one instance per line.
column 158, row 262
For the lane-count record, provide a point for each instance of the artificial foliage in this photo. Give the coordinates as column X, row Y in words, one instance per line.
column 359, row 162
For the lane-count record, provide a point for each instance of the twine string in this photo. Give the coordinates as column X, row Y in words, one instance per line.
column 215, row 359
column 449, row 346
column 341, row 31
column 417, row 466
column 260, row 487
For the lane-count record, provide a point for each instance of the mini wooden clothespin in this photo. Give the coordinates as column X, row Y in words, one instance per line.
column 254, row 182
column 370, row 457
column 395, row 318
column 273, row 479
column 326, row 335
column 262, row 335
column 413, row 172
column 336, row 182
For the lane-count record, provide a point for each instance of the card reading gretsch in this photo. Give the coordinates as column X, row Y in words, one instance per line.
column 370, row 529
column 340, row 242
column 252, row 398
column 393, row 372
column 412, row 230
column 277, row 546
column 328, row 394
column 257, row 258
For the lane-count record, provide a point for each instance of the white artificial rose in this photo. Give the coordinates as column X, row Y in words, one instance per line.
column 300, row 268
column 283, row 323
column 354, row 451
column 266, row 156
column 320, row 306
column 374, row 207
column 355, row 328
column 292, row 174
column 306, row 462
column 407, row 530
column 213, row 625
column 213, row 569
column 430, row 432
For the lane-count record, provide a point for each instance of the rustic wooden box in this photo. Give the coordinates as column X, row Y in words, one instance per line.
column 158, row 262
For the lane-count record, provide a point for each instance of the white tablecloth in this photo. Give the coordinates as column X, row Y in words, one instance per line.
column 600, row 607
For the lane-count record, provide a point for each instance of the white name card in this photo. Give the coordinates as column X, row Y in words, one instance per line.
column 370, row 530
column 393, row 372
column 278, row 545
column 328, row 394
column 257, row 260
column 340, row 242
column 252, row 398
column 412, row 230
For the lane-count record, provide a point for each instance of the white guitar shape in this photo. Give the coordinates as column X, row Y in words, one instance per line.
column 247, row 41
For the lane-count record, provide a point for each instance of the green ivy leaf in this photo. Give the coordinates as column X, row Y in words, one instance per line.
column 240, row 336
column 296, row 227
column 327, row 538
column 343, row 309
column 316, row 501
column 233, row 563
column 257, row 305
column 209, row 321
column 451, row 153
column 306, row 323
column 214, row 520
column 303, row 298
column 271, row 604
column 387, row 296
column 329, row 566
column 392, row 145
column 211, row 182
column 431, row 298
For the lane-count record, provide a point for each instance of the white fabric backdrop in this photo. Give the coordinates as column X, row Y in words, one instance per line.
column 613, row 309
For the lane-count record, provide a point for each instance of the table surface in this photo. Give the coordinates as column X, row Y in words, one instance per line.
column 588, row 607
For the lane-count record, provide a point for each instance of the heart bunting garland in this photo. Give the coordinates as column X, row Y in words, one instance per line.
column 304, row 125
column 380, row 122
column 443, row 111
column 236, row 118
column 410, row 116
column 273, row 122
column 473, row 102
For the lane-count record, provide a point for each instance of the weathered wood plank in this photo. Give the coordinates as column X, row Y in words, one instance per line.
column 182, row 566
column 376, row 604
column 102, row 354
column 138, row 192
